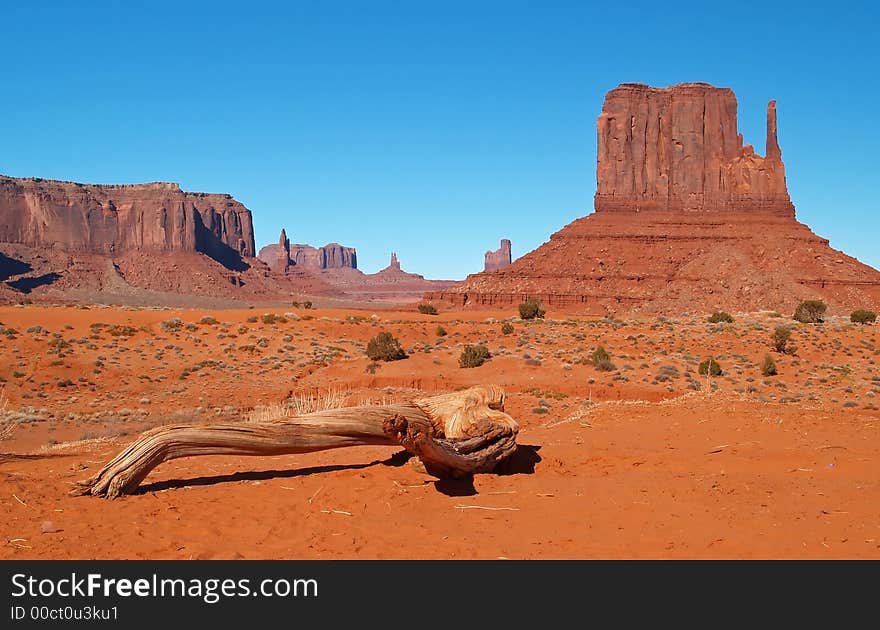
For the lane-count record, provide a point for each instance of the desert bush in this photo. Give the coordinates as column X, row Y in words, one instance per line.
column 473, row 356
column 531, row 309
column 780, row 338
column 810, row 311
column 171, row 325
column 721, row 317
column 307, row 305
column 768, row 366
column 441, row 332
column 862, row 316
column 385, row 347
column 272, row 318
column 208, row 321
column 601, row 360
column 427, row 309
column 710, row 367
column 506, row 328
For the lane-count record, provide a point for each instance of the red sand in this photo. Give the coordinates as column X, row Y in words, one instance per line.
column 682, row 474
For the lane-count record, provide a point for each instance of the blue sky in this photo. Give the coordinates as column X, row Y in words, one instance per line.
column 432, row 129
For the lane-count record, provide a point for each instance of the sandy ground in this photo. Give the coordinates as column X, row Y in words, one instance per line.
column 650, row 460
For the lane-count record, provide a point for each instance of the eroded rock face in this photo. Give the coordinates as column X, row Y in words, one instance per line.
column 113, row 219
column 498, row 259
column 678, row 149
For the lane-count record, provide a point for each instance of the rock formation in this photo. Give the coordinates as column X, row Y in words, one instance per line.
column 283, row 256
column 277, row 255
column 113, row 219
column 134, row 244
column 331, row 256
column 678, row 149
column 391, row 284
column 687, row 219
column 499, row 258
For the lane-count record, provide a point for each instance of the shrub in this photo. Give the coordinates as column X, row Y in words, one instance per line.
column 768, row 366
column 272, row 318
column 531, row 309
column 384, row 347
column 862, row 316
column 473, row 356
column 307, row 305
column 721, row 317
column 711, row 367
column 506, row 328
column 441, row 332
column 601, row 360
column 780, row 339
column 171, row 325
column 810, row 311
column 208, row 320
column 427, row 309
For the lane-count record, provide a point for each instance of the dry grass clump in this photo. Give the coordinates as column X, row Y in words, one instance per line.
column 7, row 427
column 298, row 405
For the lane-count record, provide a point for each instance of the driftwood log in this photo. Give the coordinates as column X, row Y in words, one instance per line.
column 453, row 434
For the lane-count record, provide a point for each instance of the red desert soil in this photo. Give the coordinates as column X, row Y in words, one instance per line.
column 650, row 460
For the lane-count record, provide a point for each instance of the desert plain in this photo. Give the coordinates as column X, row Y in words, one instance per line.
column 649, row 459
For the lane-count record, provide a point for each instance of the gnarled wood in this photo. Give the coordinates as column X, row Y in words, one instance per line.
column 454, row 434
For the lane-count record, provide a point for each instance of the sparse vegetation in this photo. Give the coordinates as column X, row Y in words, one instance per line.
column 427, row 309
column 272, row 318
column 710, row 367
column 208, row 321
column 810, row 311
column 863, row 316
column 385, row 347
column 780, row 338
column 768, row 366
column 473, row 356
column 721, row 317
column 171, row 325
column 441, row 332
column 601, row 360
column 506, row 328
column 531, row 309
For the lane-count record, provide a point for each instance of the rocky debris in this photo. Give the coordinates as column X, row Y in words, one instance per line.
column 499, row 258
column 688, row 219
column 109, row 220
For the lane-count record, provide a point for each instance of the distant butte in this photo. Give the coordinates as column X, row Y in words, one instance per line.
column 688, row 219
column 498, row 259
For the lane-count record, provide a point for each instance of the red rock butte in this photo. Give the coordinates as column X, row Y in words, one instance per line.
column 688, row 218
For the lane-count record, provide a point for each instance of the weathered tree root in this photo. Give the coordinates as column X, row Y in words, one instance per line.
column 453, row 434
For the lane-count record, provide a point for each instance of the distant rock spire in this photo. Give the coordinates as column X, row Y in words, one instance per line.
column 774, row 153
column 394, row 262
column 284, row 242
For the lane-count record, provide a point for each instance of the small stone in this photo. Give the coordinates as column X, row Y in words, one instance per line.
column 48, row 527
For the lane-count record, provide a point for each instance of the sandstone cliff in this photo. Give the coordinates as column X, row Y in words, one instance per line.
column 687, row 219
column 114, row 219
column 678, row 149
column 498, row 259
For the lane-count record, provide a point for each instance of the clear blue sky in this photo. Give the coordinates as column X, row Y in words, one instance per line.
column 433, row 129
